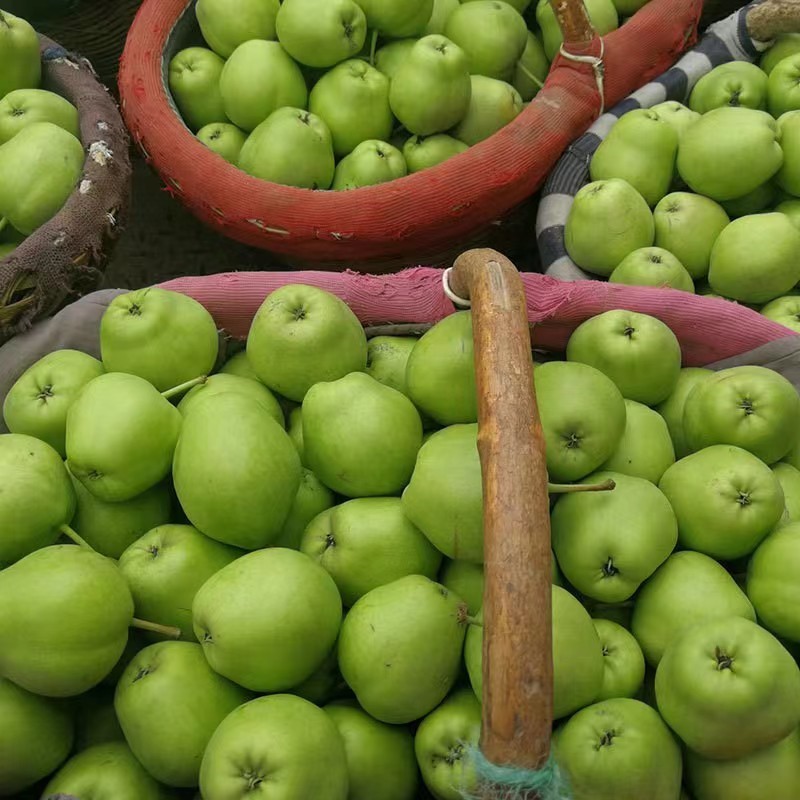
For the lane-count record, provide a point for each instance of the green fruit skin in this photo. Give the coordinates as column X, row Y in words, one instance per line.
column 652, row 266
column 789, row 478
column 578, row 664
column 728, row 712
column 705, row 490
column 380, row 758
column 766, row 425
column 36, row 498
column 679, row 116
column 295, row 431
column 602, row 14
column 165, row 337
column 782, row 93
column 772, row 772
column 737, row 83
column 638, row 352
column 771, row 582
column 444, row 498
column 194, row 76
column 397, row 19
column 224, row 139
column 225, row 24
column 623, row 660
column 406, row 616
column 583, row 417
column 121, row 436
column 366, row 543
column 38, row 402
column 360, row 438
column 442, row 9
column 762, row 198
column 466, row 580
column 95, row 719
column 425, row 152
column 786, row 44
column 533, row 62
column 788, row 177
column 23, row 107
column 51, row 154
column 493, row 105
column 439, row 744
column 389, row 57
column 36, row 736
column 105, row 772
column 64, row 620
column 299, row 632
column 371, row 162
column 270, row 739
column 169, row 702
column 230, row 447
column 217, row 384
column 387, row 357
column 240, row 365
column 19, row 50
column 687, row 589
column 785, row 310
column 672, row 408
column 302, row 335
column 312, row 498
column 641, row 760
column 608, row 543
column 608, row 220
column 110, row 528
column 325, row 683
column 166, row 567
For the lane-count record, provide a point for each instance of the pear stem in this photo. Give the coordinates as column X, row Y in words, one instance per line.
column 184, row 387
column 474, row 621
column 572, row 488
column 168, row 631
column 373, row 46
column 3, row 220
column 529, row 75
column 79, row 540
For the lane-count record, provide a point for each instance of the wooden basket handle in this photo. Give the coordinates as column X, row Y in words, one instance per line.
column 772, row 18
column 517, row 650
column 573, row 19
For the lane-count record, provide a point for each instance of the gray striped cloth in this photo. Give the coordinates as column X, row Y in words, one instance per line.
column 724, row 41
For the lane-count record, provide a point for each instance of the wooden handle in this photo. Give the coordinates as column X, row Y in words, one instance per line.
column 772, row 18
column 517, row 649
column 573, row 19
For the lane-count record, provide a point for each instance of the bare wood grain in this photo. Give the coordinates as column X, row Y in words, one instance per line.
column 573, row 19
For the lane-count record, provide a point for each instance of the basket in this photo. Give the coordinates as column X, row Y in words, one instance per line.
column 67, row 255
column 427, row 217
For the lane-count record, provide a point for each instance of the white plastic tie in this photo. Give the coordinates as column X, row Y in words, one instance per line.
column 599, row 67
column 454, row 298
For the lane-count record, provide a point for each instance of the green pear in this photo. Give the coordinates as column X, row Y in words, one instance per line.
column 360, row 437
column 424, row 152
column 225, row 24
column 266, row 743
column 782, row 91
column 672, row 408
column 326, row 682
column 791, row 208
column 19, row 54
column 493, row 104
column 64, row 620
column 769, row 241
column 640, row 149
column 444, row 498
column 240, row 365
column 259, row 78
column 760, row 199
column 380, row 757
column 302, row 335
column 36, row 499
column 39, row 172
column 95, row 719
column 786, row 44
column 466, row 580
column 397, row 19
column 224, row 139
column 194, row 75
column 169, row 703
column 737, row 83
column 652, row 266
column 430, row 91
column 440, row 372
column 104, row 771
column 312, row 498
column 35, row 738
column 677, row 115
column 602, row 14
column 292, row 147
column 305, row 613
column 38, row 402
column 366, row 543
column 608, row 220
column 109, row 528
column 121, row 436
column 387, row 357
column 493, row 35
column 688, row 225
column 400, row 648
column 530, row 72
column 441, row 744
column 442, row 9
column 785, row 310
column 788, row 177
column 353, row 101
column 370, row 163
column 165, row 337
column 221, row 383
column 23, row 107
column 166, row 567
column 389, row 57
column 295, row 431
column 6, row 250
column 623, row 661
column 321, row 34
column 728, row 136
column 236, row 472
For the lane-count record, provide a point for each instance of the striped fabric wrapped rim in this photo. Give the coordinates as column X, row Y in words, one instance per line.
column 727, row 40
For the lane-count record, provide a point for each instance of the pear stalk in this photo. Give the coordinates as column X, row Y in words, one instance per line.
column 184, row 387
column 529, row 75
column 573, row 488
column 167, row 631
column 373, row 46
column 79, row 540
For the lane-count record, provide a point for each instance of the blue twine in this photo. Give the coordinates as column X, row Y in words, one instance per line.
column 54, row 53
column 513, row 783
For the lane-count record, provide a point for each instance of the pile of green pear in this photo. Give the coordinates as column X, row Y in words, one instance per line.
column 704, row 197
column 340, row 94
column 263, row 574
column 41, row 155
